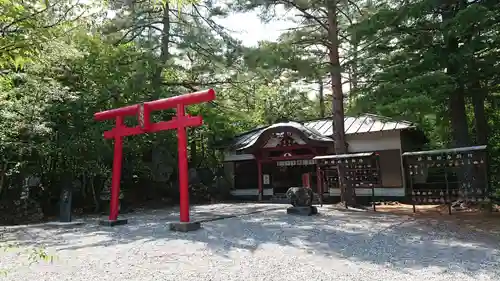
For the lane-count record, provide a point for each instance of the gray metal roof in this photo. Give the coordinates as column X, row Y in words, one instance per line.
column 247, row 140
column 322, row 129
column 309, row 132
column 362, row 124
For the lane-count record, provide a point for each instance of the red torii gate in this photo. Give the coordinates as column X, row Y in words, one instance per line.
column 143, row 113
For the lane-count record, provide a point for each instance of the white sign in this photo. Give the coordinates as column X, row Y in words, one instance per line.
column 296, row 163
column 267, row 179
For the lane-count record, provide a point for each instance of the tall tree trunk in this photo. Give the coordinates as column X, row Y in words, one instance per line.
column 2, row 176
column 354, row 62
column 348, row 195
column 458, row 117
column 353, row 70
column 480, row 118
column 157, row 83
column 456, row 100
column 321, row 95
column 202, row 147
column 94, row 194
column 350, row 97
column 459, row 124
column 157, row 78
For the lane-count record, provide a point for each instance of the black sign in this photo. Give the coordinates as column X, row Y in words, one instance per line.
column 65, row 203
column 448, row 175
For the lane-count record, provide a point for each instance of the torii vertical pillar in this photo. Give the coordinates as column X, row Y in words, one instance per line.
column 183, row 167
column 116, row 176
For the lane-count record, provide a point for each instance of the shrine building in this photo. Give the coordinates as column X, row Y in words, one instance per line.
column 265, row 162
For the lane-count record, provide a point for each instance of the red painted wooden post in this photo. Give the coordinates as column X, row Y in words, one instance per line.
column 183, row 166
column 145, row 126
column 305, row 180
column 116, row 174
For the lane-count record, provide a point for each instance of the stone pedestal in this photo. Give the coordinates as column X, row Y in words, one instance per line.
column 302, row 211
column 185, row 226
column 113, row 223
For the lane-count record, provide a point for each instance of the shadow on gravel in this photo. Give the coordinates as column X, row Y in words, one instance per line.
column 398, row 242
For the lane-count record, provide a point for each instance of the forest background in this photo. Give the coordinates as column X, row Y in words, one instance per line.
column 431, row 62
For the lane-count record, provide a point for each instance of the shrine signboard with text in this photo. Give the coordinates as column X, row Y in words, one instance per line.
column 447, row 175
column 362, row 170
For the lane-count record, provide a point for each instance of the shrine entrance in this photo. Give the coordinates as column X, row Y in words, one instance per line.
column 284, row 154
column 286, row 174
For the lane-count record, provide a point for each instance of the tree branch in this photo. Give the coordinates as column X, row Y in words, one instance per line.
column 307, row 14
column 19, row 20
column 192, row 85
column 350, row 2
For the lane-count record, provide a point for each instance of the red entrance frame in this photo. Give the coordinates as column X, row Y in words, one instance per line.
column 261, row 158
column 143, row 111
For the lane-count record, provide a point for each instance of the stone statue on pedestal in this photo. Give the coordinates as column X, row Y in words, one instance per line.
column 300, row 196
column 301, row 199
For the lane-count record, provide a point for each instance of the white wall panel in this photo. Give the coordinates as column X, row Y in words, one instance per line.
column 374, row 141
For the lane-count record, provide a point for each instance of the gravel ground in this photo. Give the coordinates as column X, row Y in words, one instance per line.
column 270, row 245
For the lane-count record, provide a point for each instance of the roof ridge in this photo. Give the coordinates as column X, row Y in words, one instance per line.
column 379, row 117
column 345, row 116
column 388, row 119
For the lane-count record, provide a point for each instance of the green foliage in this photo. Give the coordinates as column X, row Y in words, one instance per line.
column 421, row 55
column 405, row 66
column 79, row 65
column 60, row 63
column 27, row 25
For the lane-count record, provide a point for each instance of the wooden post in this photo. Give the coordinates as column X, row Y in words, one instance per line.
column 319, row 183
column 183, row 166
column 116, row 173
column 379, row 180
column 448, row 201
column 306, row 182
column 259, row 172
column 411, row 188
column 486, row 168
